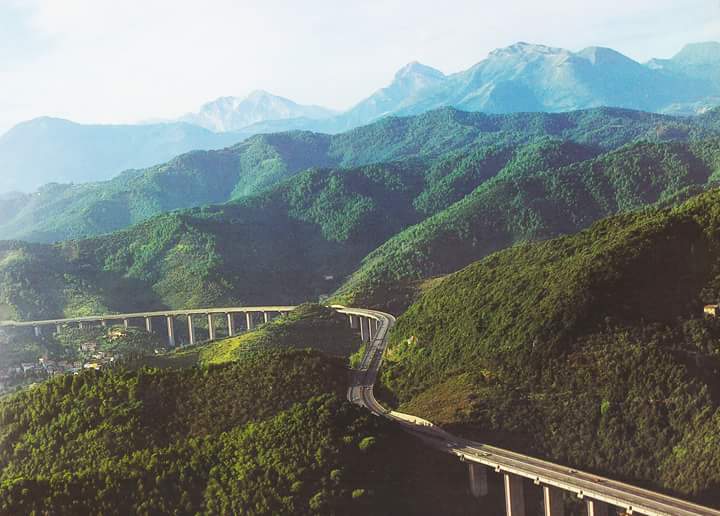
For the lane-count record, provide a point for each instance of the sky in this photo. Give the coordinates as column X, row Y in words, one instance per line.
column 123, row 61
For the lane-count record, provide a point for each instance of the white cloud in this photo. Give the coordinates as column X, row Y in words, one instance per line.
column 111, row 60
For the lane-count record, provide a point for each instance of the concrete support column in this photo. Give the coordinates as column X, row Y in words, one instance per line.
column 371, row 328
column 211, row 327
column 514, row 495
column 148, row 324
column 58, row 328
column 37, row 330
column 126, row 322
column 265, row 317
column 231, row 324
column 80, row 325
column 191, row 329
column 249, row 321
column 364, row 329
column 552, row 501
column 596, row 508
column 103, row 323
column 354, row 322
column 478, row 479
column 171, row 331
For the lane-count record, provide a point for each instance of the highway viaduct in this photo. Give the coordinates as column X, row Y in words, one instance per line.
column 518, row 471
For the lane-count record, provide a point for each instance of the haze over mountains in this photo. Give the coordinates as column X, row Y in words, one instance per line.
column 228, row 114
column 521, row 77
column 53, row 150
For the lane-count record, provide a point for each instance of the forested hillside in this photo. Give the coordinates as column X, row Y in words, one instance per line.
column 301, row 239
column 265, row 432
column 591, row 349
column 437, row 140
column 524, row 203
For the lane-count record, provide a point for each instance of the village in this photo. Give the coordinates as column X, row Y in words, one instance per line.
column 87, row 355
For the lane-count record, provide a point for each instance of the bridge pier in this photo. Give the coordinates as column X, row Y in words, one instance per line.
column 38, row 331
column 191, row 329
column 596, row 508
column 364, row 329
column 211, row 327
column 126, row 322
column 371, row 328
column 552, row 501
column 149, row 324
column 514, row 495
column 80, row 325
column 265, row 317
column 171, row 331
column 249, row 321
column 478, row 479
column 353, row 321
column 231, row 324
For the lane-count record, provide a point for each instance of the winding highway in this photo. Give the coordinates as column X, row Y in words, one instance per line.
column 584, row 485
column 374, row 327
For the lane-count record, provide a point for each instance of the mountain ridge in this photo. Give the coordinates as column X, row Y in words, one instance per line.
column 523, row 77
column 58, row 212
column 230, row 114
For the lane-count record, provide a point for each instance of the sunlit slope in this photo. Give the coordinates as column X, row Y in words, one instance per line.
column 308, row 326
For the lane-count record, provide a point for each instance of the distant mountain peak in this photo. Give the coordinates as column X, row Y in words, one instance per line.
column 416, row 68
column 524, row 48
column 699, row 53
column 259, row 94
column 226, row 114
column 604, row 55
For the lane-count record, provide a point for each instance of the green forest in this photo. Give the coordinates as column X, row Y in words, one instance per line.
column 443, row 137
column 367, row 234
column 590, row 350
column 549, row 272
column 264, row 432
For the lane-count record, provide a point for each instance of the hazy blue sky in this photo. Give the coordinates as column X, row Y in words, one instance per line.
column 127, row 60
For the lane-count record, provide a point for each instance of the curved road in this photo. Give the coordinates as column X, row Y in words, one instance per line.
column 360, row 392
column 632, row 499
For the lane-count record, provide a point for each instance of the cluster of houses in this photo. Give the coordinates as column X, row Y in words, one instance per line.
column 46, row 367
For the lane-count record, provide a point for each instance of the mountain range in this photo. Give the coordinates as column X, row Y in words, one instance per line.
column 520, row 78
column 365, row 214
column 549, row 272
column 440, row 141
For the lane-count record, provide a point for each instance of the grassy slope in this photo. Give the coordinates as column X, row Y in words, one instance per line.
column 309, row 325
column 589, row 349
